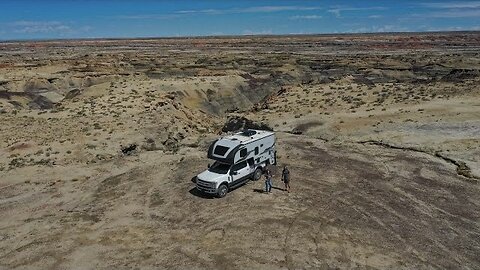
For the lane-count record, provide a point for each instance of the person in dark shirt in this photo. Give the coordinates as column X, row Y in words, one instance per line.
column 286, row 178
column 268, row 181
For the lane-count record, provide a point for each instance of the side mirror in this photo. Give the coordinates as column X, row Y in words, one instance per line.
column 208, row 165
column 233, row 173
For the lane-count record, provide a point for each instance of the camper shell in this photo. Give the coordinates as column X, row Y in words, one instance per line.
column 238, row 158
column 242, row 146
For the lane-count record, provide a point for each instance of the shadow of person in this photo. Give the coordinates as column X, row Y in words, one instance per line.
column 258, row 190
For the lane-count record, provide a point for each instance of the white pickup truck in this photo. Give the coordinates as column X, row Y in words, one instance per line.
column 238, row 158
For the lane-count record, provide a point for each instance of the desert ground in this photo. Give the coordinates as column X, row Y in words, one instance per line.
column 381, row 133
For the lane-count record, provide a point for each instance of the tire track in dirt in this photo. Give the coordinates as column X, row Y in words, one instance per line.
column 462, row 168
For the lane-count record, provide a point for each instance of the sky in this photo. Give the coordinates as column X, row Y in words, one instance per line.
column 66, row 19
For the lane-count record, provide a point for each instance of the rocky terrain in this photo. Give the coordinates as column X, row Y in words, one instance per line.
column 100, row 141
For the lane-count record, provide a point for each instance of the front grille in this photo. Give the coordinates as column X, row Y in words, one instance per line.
column 205, row 184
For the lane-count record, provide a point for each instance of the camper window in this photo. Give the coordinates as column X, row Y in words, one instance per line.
column 243, row 152
column 220, row 150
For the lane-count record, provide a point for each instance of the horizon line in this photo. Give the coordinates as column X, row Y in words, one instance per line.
column 231, row 36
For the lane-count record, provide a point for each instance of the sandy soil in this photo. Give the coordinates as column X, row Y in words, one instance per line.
column 381, row 132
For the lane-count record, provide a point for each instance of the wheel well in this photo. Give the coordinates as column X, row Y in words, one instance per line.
column 260, row 166
column 224, row 183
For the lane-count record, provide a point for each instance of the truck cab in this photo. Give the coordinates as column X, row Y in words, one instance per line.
column 238, row 158
column 231, row 176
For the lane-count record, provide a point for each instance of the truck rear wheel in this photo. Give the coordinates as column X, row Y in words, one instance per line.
column 222, row 191
column 257, row 174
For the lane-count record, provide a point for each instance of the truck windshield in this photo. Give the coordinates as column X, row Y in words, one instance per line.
column 220, row 168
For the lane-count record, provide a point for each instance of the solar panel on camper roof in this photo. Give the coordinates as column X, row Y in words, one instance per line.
column 249, row 133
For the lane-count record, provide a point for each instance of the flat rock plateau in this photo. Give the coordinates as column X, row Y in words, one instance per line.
column 381, row 133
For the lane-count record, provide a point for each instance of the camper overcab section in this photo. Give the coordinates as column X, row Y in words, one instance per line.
column 237, row 158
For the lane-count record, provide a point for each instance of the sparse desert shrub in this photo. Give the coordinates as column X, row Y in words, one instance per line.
column 91, row 146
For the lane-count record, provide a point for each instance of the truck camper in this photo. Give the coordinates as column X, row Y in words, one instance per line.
column 237, row 159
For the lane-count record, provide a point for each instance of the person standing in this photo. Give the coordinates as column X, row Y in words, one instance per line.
column 286, row 178
column 268, row 181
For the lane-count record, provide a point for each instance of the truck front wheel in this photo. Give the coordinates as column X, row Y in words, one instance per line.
column 222, row 190
column 257, row 174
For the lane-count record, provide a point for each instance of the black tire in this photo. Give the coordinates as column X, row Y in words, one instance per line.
column 257, row 174
column 222, row 191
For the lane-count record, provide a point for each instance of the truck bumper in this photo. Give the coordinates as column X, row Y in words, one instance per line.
column 207, row 190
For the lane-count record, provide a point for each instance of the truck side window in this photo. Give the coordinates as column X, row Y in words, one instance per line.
column 243, row 152
column 256, row 150
column 239, row 166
